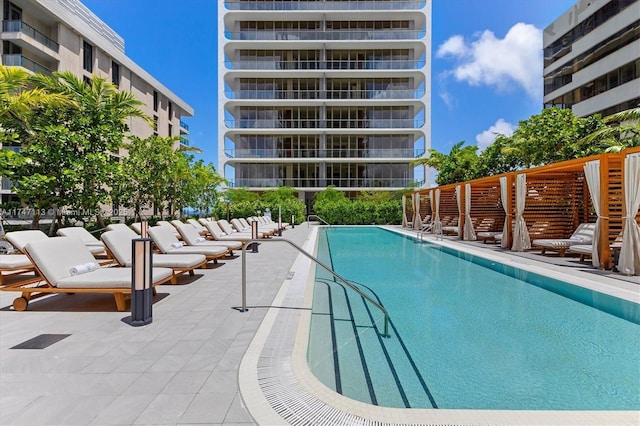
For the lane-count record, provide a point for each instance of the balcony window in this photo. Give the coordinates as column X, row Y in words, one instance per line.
column 156, row 101
column 87, row 56
column 115, row 74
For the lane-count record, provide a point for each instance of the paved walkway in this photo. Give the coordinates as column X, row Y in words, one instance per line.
column 180, row 369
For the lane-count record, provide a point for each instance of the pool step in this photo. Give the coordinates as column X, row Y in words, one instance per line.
column 348, row 353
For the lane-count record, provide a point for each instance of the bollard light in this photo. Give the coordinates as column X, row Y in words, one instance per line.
column 141, row 281
column 279, row 226
column 293, row 221
column 144, row 228
column 254, row 235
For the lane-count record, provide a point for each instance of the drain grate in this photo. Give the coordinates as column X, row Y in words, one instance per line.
column 40, row 342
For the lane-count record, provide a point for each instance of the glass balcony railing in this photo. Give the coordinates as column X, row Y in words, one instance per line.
column 324, row 5
column 309, row 35
column 323, row 183
column 274, row 65
column 328, row 94
column 21, row 61
column 23, row 27
column 378, row 123
column 184, row 125
column 325, row 153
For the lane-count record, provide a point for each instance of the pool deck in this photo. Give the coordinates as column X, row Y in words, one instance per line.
column 189, row 364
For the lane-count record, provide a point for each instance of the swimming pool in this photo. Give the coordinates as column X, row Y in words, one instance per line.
column 465, row 332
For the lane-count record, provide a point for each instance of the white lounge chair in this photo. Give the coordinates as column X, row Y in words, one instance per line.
column 192, row 238
column 118, row 246
column 57, row 258
column 81, row 233
column 582, row 235
column 17, row 264
column 229, row 230
column 121, row 227
column 19, row 239
column 167, row 243
column 219, row 235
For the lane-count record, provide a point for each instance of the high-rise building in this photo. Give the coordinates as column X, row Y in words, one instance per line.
column 315, row 93
column 43, row 36
column 592, row 58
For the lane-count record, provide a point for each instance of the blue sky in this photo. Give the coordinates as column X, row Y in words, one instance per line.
column 486, row 61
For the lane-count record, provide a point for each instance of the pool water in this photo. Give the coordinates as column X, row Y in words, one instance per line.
column 465, row 333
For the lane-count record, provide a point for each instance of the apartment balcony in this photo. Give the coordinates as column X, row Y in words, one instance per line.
column 323, row 153
column 309, row 123
column 329, row 35
column 26, row 36
column 381, row 183
column 24, row 62
column 327, row 94
column 324, row 5
column 275, row 65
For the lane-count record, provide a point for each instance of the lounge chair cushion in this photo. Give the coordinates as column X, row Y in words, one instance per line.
column 119, row 244
column 100, row 278
column 582, row 235
column 19, row 239
column 192, row 237
column 76, row 231
column 14, row 261
column 122, row 228
column 164, row 238
column 585, row 249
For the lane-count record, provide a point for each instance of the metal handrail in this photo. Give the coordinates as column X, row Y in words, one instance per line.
column 317, row 217
column 301, row 250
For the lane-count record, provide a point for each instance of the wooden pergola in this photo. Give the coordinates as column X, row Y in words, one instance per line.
column 557, row 200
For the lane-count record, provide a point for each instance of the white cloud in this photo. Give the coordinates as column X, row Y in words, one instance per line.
column 487, row 137
column 453, row 46
column 515, row 59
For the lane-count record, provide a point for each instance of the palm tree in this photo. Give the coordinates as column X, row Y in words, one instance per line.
column 99, row 125
column 622, row 131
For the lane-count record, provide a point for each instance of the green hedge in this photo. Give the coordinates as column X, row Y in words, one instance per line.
column 359, row 212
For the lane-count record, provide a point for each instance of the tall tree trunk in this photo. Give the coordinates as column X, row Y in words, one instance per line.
column 35, row 223
column 100, row 220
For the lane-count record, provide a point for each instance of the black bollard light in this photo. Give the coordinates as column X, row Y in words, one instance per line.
column 279, row 226
column 144, row 228
column 293, row 221
column 254, row 235
column 141, row 280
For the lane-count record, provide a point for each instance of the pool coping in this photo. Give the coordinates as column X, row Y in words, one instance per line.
column 278, row 387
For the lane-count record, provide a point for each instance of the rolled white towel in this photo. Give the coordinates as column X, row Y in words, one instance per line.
column 83, row 268
column 175, row 245
column 200, row 240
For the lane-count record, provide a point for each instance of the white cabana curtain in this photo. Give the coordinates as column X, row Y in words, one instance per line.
column 521, row 241
column 404, row 211
column 459, row 209
column 592, row 174
column 629, row 261
column 469, row 233
column 504, row 193
column 417, row 220
column 437, row 224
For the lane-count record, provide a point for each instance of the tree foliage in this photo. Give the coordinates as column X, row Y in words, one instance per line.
column 552, row 136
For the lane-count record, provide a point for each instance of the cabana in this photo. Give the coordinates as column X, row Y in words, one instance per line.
column 551, row 201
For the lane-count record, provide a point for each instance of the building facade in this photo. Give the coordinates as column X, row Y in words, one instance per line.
column 43, row 36
column 315, row 93
column 592, row 58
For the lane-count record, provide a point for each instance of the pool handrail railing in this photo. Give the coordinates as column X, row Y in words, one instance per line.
column 325, row 267
column 317, row 217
